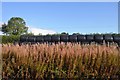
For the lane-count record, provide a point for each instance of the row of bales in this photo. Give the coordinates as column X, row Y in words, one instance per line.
column 72, row 38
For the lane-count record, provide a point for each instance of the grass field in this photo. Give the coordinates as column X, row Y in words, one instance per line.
column 44, row 61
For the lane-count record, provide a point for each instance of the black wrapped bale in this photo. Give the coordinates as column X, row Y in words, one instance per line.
column 108, row 38
column 23, row 38
column 116, row 38
column 72, row 38
column 81, row 38
column 118, row 45
column 55, row 38
column 47, row 38
column 39, row 39
column 64, row 38
column 89, row 38
column 31, row 39
column 98, row 38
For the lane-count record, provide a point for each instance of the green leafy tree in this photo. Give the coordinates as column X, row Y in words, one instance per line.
column 16, row 26
column 3, row 28
column 40, row 34
column 29, row 34
column 64, row 33
column 75, row 33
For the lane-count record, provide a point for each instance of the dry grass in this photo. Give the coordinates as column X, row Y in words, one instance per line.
column 60, row 61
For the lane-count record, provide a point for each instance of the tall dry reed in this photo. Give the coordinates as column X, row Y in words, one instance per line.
column 41, row 61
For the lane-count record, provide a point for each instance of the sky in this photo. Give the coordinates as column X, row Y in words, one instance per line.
column 59, row 0
column 57, row 17
column 119, row 17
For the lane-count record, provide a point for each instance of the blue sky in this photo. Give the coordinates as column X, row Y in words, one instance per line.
column 59, row 0
column 82, row 17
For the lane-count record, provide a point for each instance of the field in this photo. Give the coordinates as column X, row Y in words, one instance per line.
column 44, row 61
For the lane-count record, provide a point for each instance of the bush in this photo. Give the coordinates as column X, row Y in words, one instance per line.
column 10, row 39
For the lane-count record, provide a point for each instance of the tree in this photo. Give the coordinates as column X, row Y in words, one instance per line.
column 29, row 34
column 16, row 26
column 64, row 33
column 76, row 34
column 40, row 34
column 3, row 28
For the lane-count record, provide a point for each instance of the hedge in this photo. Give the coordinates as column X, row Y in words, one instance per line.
column 10, row 39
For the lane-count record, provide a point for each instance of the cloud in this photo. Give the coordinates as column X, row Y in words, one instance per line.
column 36, row 31
column 1, row 24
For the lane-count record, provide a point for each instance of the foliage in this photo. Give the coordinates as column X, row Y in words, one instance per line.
column 64, row 33
column 3, row 28
column 76, row 34
column 29, row 34
column 15, row 26
column 10, row 39
column 44, row 61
